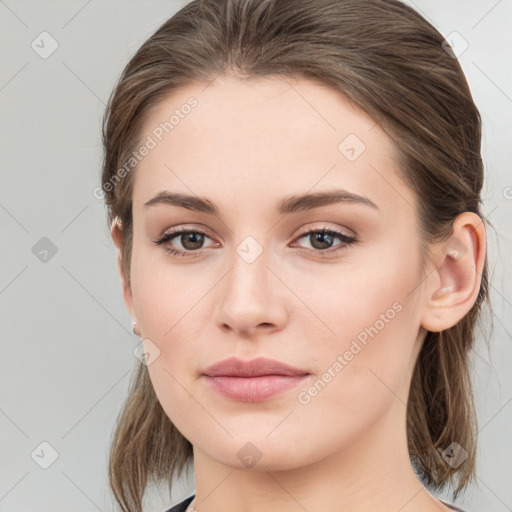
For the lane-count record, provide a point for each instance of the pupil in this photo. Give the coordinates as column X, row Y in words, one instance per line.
column 320, row 237
column 196, row 240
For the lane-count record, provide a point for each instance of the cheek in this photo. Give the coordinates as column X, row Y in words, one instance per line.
column 166, row 295
column 372, row 324
column 364, row 370
column 168, row 301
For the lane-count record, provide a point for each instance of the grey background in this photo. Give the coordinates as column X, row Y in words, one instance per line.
column 66, row 336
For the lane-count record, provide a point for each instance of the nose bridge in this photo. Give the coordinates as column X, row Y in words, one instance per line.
column 249, row 297
column 249, row 274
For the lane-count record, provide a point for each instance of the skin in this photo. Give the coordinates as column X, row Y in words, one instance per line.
column 245, row 146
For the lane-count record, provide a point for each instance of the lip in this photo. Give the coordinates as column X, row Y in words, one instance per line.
column 253, row 381
column 254, row 389
column 234, row 367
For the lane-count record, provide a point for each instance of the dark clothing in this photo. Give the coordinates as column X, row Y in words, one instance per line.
column 451, row 506
column 181, row 507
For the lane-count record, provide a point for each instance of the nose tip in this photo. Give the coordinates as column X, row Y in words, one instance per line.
column 250, row 300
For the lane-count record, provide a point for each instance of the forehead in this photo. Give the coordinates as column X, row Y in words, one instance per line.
column 271, row 135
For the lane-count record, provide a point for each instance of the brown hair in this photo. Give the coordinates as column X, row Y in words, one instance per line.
column 389, row 61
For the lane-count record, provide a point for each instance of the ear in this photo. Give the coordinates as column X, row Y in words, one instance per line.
column 117, row 236
column 453, row 286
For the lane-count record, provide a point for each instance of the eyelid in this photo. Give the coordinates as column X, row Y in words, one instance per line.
column 346, row 242
column 323, row 227
column 174, row 232
column 185, row 228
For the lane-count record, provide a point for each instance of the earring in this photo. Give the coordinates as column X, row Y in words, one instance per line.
column 135, row 330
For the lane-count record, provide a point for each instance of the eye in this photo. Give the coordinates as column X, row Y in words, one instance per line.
column 191, row 241
column 322, row 241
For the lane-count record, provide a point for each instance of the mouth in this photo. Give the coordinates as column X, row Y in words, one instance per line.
column 252, row 381
column 253, row 389
column 261, row 366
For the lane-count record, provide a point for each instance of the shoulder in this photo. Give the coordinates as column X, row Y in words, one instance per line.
column 457, row 509
column 182, row 506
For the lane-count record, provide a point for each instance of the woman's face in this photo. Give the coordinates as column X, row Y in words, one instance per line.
column 258, row 285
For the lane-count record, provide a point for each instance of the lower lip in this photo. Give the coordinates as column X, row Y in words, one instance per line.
column 254, row 389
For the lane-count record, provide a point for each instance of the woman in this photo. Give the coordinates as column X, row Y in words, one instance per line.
column 294, row 191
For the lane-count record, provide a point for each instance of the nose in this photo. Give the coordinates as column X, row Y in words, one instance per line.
column 251, row 298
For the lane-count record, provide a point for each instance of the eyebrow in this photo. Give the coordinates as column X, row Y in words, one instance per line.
column 289, row 204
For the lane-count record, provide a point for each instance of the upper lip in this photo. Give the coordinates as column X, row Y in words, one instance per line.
column 234, row 367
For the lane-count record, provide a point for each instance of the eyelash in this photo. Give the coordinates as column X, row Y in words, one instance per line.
column 347, row 241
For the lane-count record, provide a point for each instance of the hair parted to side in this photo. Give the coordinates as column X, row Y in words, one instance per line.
column 388, row 60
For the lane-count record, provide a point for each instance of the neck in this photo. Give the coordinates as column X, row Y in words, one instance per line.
column 370, row 473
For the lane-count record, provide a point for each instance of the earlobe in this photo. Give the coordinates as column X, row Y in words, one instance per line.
column 453, row 286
